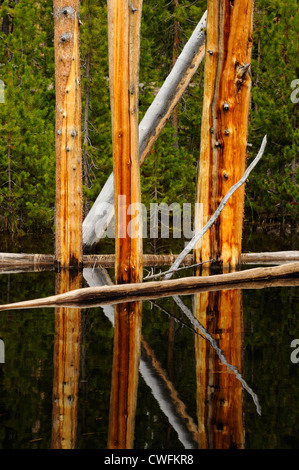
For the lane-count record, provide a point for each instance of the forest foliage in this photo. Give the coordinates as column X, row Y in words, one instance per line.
column 27, row 116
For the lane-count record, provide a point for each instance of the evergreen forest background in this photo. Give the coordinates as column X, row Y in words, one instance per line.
column 27, row 117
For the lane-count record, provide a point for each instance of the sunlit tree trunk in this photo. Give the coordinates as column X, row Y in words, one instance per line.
column 225, row 126
column 69, row 213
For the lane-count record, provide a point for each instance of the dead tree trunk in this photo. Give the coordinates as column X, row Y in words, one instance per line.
column 68, row 251
column 124, row 26
column 225, row 126
column 124, row 17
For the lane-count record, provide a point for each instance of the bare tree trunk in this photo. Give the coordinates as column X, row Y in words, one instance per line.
column 225, row 126
column 68, row 249
column 124, row 20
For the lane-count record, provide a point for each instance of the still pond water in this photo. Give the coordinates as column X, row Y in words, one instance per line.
column 229, row 383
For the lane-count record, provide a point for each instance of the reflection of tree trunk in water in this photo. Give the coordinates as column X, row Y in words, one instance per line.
column 66, row 367
column 170, row 350
column 219, row 392
column 153, row 374
column 83, row 388
column 125, row 372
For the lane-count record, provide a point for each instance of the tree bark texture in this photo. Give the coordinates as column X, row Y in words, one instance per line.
column 69, row 206
column 124, row 45
column 225, row 126
column 124, row 20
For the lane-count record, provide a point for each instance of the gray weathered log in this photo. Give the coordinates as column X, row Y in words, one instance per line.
column 94, row 296
column 22, row 262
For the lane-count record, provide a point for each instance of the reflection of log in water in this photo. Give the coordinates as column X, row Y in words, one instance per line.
column 219, row 393
column 256, row 278
column 66, row 366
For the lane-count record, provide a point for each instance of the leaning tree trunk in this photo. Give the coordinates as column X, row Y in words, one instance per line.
column 68, row 250
column 99, row 217
column 225, row 126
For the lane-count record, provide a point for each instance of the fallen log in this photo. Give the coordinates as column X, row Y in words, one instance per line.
column 21, row 262
column 96, row 296
column 24, row 260
column 270, row 257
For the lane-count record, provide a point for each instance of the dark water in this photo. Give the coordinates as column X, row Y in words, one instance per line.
column 187, row 395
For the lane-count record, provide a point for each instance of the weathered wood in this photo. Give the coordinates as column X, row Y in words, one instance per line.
column 99, row 217
column 69, row 196
column 225, row 126
column 23, row 262
column 93, row 296
column 270, row 257
column 124, row 20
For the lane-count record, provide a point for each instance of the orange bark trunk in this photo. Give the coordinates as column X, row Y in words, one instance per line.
column 225, row 126
column 69, row 212
column 124, row 18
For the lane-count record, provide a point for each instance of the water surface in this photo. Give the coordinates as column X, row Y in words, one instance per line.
column 189, row 393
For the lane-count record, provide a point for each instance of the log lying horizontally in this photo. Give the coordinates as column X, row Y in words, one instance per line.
column 42, row 262
column 96, row 296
